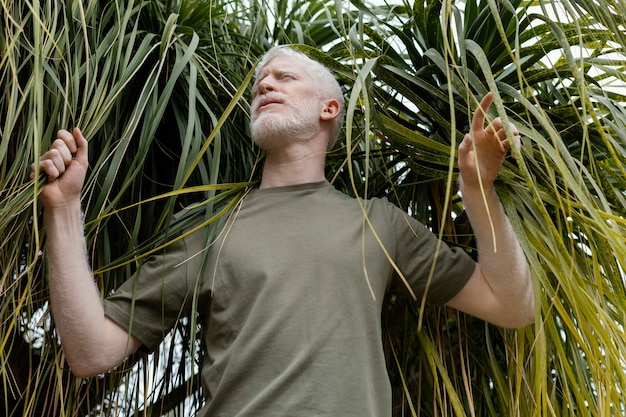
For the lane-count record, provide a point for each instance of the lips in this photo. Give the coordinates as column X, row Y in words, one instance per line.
column 266, row 100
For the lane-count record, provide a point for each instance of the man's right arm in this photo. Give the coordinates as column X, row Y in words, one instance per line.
column 92, row 342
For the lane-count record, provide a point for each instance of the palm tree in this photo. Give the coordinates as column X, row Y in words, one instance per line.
column 160, row 88
column 561, row 193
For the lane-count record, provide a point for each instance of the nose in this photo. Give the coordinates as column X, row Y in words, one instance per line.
column 266, row 85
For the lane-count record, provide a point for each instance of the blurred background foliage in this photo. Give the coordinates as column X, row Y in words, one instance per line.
column 161, row 90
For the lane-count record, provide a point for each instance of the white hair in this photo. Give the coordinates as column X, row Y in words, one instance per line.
column 328, row 85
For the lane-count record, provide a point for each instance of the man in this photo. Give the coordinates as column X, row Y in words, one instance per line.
column 290, row 293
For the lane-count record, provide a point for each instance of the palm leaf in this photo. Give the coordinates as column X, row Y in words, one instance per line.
column 160, row 89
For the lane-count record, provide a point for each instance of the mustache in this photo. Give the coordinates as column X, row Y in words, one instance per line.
column 272, row 95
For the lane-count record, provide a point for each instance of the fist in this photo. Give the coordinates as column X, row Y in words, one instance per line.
column 65, row 165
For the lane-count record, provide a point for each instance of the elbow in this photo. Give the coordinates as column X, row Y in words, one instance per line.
column 82, row 372
column 524, row 314
column 530, row 311
column 529, row 306
column 99, row 354
column 520, row 321
column 87, row 364
column 524, row 308
column 82, row 368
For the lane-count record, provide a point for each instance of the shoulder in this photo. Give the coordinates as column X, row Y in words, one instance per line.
column 394, row 216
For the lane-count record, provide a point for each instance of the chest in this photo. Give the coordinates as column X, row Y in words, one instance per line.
column 305, row 252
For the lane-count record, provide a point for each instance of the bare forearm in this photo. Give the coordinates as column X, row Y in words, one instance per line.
column 500, row 288
column 75, row 302
column 500, row 255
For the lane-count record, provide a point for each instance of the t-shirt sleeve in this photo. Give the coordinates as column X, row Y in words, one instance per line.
column 161, row 291
column 431, row 267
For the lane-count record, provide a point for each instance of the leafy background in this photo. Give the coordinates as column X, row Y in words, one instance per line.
column 161, row 88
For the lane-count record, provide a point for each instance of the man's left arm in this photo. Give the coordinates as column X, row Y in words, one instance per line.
column 500, row 289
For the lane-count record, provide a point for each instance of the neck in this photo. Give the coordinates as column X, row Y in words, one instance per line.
column 292, row 165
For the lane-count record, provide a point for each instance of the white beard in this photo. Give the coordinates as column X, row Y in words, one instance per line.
column 295, row 121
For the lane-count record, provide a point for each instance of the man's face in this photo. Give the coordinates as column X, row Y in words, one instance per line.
column 285, row 105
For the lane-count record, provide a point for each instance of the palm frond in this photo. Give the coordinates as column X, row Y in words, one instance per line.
column 160, row 90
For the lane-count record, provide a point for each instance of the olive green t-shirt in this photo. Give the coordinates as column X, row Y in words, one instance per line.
column 290, row 296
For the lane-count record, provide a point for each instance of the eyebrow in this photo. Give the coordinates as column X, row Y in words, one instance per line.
column 288, row 69
column 280, row 70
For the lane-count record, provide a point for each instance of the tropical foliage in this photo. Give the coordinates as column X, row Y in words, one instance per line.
column 160, row 88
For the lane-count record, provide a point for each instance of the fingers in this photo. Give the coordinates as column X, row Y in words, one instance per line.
column 57, row 158
column 517, row 143
column 496, row 127
column 478, row 121
column 65, row 149
column 54, row 162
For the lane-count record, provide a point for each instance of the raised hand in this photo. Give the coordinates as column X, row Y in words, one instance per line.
column 65, row 164
column 482, row 151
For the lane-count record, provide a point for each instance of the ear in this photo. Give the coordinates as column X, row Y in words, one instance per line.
column 330, row 110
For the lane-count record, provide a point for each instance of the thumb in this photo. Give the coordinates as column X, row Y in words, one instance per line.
column 81, row 147
column 466, row 145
